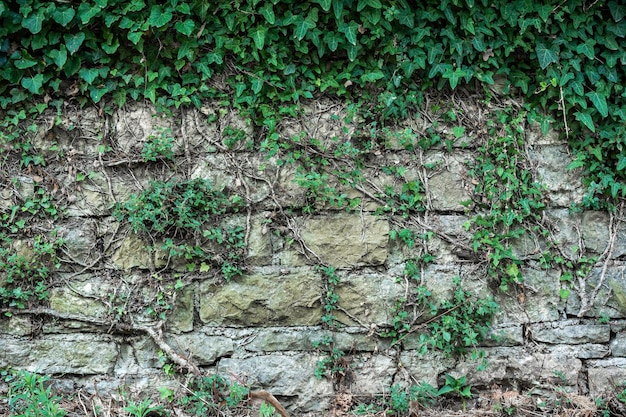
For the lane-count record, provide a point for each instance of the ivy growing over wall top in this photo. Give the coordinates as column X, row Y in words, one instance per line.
column 566, row 57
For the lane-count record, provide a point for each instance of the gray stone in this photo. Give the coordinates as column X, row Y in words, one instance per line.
column 447, row 184
column 134, row 124
column 203, row 349
column 572, row 334
column 366, row 299
column 618, row 345
column 535, row 137
column 415, row 368
column 260, row 247
column 610, row 300
column 135, row 253
column 79, row 354
column 505, row 336
column 565, row 186
column 584, row 351
column 181, row 318
column 524, row 368
column 284, row 376
column 539, row 302
column 604, row 373
column 595, row 230
column 371, row 374
column 80, row 240
column 15, row 325
column 346, row 240
column 256, row 300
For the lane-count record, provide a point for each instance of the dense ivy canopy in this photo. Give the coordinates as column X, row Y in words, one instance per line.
column 567, row 57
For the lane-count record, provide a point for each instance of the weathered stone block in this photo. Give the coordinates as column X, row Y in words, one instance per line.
column 371, row 374
column 565, row 186
column 421, row 368
column 80, row 240
column 135, row 253
column 181, row 318
column 284, row 376
column 522, row 367
column 584, row 351
column 346, row 240
column 540, row 303
column 611, row 297
column 604, row 373
column 255, row 300
column 572, row 333
column 367, row 298
column 15, row 326
column 202, row 348
column 70, row 354
column 446, row 184
column 618, row 345
column 134, row 124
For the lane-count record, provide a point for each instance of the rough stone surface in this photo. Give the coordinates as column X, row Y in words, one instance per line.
column 447, row 184
column 610, row 300
column 64, row 354
column 572, row 334
column 285, row 376
column 565, row 186
column 365, row 299
column 618, row 345
column 344, row 240
column 371, row 374
column 604, row 373
column 524, row 368
column 254, row 300
column 135, row 253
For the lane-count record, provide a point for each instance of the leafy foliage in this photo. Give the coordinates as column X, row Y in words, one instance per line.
column 567, row 57
column 30, row 395
column 179, row 212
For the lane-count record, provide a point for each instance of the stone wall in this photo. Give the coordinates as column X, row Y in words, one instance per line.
column 96, row 331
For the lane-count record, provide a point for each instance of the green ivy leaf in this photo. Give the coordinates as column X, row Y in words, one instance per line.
column 587, row 48
column 362, row 4
column 454, row 76
column 96, row 94
column 134, row 37
column 372, row 76
column 186, row 27
column 159, row 17
column 338, row 9
column 33, row 84
column 268, row 13
column 88, row 74
column 73, row 42
column 350, row 30
column 621, row 164
column 59, row 56
column 302, row 27
column 585, row 119
column 24, row 63
column 617, row 9
column 33, row 22
column 545, row 55
column 332, row 39
column 63, row 16
column 258, row 36
column 325, row 4
column 87, row 11
column 599, row 101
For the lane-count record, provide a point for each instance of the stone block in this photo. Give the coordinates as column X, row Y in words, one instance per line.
column 181, row 318
column 584, row 351
column 521, row 368
column 618, row 345
column 78, row 354
column 415, row 368
column 262, row 300
column 572, row 333
column 204, row 349
column 447, row 184
column 133, row 252
column 134, row 124
column 604, row 373
column 564, row 186
column 289, row 377
column 611, row 297
column 367, row 298
column 347, row 240
column 80, row 237
column 540, row 302
column 370, row 374
column 15, row 326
